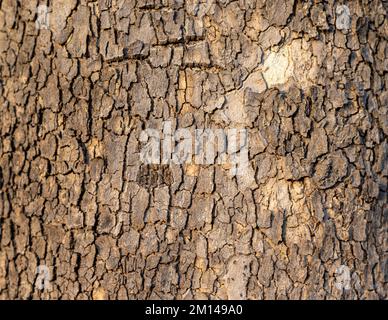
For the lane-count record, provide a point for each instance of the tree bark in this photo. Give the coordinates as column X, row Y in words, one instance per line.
column 82, row 217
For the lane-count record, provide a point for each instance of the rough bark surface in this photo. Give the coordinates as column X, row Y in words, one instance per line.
column 307, row 79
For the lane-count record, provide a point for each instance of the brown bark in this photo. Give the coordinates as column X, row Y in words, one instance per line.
column 307, row 79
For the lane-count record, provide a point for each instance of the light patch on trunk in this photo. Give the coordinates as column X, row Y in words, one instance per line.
column 236, row 278
column 292, row 62
column 99, row 294
column 277, row 67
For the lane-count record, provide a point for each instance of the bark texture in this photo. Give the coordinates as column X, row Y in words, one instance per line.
column 307, row 79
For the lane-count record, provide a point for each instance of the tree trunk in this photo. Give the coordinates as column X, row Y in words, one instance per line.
column 84, row 216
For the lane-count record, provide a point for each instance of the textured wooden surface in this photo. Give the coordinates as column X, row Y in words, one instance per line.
column 308, row 80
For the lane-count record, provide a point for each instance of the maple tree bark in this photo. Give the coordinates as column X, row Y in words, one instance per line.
column 307, row 79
